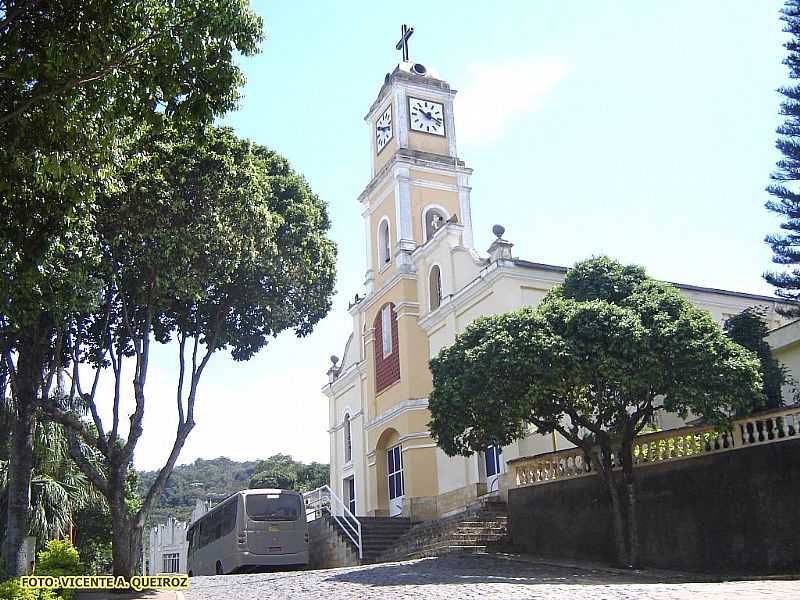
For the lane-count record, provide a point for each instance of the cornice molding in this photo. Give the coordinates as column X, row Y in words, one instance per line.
column 482, row 284
column 397, row 409
column 344, row 381
column 407, row 158
column 378, row 294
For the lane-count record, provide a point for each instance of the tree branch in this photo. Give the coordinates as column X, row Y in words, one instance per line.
column 161, row 479
column 181, row 371
column 55, row 364
column 14, row 12
column 70, row 420
column 97, row 478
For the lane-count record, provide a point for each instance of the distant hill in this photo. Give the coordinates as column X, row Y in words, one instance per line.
column 216, row 479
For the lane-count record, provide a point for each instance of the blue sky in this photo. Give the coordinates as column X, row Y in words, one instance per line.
column 641, row 130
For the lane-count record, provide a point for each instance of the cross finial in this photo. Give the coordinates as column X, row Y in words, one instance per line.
column 403, row 43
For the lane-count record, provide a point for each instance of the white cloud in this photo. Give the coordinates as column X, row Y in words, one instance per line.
column 498, row 94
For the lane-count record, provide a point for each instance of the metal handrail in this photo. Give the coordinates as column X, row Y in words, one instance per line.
column 323, row 498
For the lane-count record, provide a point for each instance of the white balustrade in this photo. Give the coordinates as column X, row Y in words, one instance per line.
column 675, row 444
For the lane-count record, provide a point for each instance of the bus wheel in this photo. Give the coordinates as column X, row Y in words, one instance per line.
column 190, row 574
column 219, row 568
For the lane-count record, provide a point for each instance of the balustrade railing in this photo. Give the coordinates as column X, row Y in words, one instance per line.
column 323, row 501
column 654, row 448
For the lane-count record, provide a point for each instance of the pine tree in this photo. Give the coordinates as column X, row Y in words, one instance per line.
column 786, row 187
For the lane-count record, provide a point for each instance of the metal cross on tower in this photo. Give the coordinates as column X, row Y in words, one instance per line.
column 403, row 43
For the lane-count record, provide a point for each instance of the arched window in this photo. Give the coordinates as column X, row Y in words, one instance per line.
column 348, row 439
column 434, row 218
column 435, row 287
column 386, row 348
column 386, row 330
column 384, row 243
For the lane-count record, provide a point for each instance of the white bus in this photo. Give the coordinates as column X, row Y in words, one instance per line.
column 248, row 531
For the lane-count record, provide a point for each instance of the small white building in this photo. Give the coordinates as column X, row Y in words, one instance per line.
column 166, row 551
column 167, row 548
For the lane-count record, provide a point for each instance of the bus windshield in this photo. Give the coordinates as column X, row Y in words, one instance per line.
column 273, row 507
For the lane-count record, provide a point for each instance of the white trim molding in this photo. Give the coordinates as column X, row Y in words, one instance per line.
column 397, row 409
column 416, row 435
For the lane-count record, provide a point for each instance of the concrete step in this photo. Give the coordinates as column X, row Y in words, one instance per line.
column 480, row 528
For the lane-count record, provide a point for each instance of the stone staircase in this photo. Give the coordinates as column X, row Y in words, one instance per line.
column 378, row 535
column 481, row 527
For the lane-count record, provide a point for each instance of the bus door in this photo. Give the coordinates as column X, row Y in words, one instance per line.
column 276, row 523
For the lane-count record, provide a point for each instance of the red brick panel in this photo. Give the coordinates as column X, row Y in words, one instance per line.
column 387, row 370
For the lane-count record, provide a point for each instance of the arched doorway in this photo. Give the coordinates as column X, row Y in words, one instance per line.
column 389, row 473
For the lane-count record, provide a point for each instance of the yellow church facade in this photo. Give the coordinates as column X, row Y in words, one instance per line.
column 425, row 282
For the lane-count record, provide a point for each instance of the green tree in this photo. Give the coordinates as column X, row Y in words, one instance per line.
column 312, row 476
column 278, row 471
column 80, row 81
column 283, row 478
column 785, row 198
column 214, row 243
column 93, row 537
column 283, row 472
column 749, row 329
column 595, row 361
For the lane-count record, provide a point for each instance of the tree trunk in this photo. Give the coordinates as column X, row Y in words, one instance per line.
column 604, row 468
column 126, row 545
column 20, row 467
column 630, row 493
column 26, row 387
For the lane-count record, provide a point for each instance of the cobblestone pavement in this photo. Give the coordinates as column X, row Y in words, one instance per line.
column 470, row 577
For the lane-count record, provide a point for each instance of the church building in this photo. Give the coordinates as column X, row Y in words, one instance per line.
column 425, row 282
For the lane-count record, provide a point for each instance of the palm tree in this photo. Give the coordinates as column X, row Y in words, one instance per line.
column 58, row 487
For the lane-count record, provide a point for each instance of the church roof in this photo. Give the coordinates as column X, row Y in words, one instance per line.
column 683, row 286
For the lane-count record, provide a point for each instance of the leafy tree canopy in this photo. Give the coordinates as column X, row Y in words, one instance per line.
column 79, row 82
column 749, row 329
column 597, row 358
column 282, row 472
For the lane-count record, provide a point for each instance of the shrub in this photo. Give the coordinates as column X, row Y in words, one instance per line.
column 59, row 558
column 12, row 590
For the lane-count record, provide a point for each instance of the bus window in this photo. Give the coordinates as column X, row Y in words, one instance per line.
column 228, row 517
column 273, row 507
column 193, row 537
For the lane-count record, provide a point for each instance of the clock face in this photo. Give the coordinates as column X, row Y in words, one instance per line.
column 426, row 116
column 383, row 129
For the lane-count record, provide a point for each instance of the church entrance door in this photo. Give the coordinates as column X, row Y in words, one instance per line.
column 495, row 466
column 395, row 471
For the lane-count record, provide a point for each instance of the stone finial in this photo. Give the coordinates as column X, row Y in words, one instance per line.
column 333, row 372
column 500, row 248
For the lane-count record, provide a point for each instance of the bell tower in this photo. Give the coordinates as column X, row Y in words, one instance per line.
column 417, row 177
column 418, row 188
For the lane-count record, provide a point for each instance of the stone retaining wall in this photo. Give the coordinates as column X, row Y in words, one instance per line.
column 736, row 512
column 326, row 548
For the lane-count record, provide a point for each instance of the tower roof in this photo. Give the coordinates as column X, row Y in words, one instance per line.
column 414, row 73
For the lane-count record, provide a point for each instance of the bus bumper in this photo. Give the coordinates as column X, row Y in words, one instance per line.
column 248, row 559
